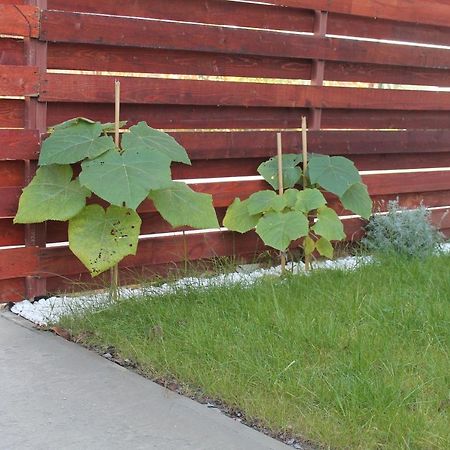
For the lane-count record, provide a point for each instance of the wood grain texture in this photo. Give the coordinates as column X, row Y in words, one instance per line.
column 431, row 12
column 378, row 28
column 12, row 290
column 12, row 113
column 11, row 234
column 18, row 262
column 12, row 52
column 19, row 20
column 19, row 80
column 96, row 57
column 60, row 26
column 97, row 89
column 217, row 12
column 19, row 144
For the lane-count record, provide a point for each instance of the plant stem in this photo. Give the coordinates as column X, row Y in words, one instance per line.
column 114, row 272
column 305, row 181
column 281, row 190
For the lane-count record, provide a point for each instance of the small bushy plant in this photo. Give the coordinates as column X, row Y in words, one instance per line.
column 402, row 231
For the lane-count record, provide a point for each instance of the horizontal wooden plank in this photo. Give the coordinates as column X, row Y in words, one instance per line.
column 19, row 144
column 384, row 119
column 232, row 117
column 217, row 12
column 12, row 113
column 11, row 234
column 432, row 12
column 377, row 28
column 382, row 74
column 19, row 20
column 97, row 57
column 12, row 52
column 60, row 26
column 12, row 173
column 10, row 201
column 248, row 144
column 18, row 262
column 98, row 89
column 19, row 81
column 188, row 117
column 12, row 290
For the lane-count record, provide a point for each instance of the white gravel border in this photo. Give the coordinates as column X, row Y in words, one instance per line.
column 50, row 310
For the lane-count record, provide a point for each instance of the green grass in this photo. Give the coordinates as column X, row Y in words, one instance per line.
column 354, row 360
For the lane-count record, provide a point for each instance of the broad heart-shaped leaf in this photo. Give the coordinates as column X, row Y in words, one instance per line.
column 278, row 229
column 290, row 196
column 309, row 199
column 74, row 142
column 101, row 239
column 329, row 225
column 309, row 246
column 51, row 195
column 125, row 179
column 144, row 138
column 291, row 172
column 262, row 201
column 238, row 218
column 325, row 248
column 180, row 205
column 356, row 198
column 334, row 173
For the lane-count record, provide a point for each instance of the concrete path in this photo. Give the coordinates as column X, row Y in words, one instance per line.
column 55, row 395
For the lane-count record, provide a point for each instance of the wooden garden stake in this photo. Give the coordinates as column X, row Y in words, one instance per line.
column 305, row 181
column 114, row 271
column 281, row 190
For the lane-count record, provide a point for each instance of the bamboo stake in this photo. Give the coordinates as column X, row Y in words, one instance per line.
column 305, row 181
column 114, row 272
column 281, row 189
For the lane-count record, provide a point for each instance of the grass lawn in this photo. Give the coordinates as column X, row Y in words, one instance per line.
column 354, row 360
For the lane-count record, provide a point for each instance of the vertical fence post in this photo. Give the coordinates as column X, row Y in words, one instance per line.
column 318, row 69
column 35, row 119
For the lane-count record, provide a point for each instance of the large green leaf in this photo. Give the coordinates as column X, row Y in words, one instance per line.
column 125, row 179
column 180, row 205
column 74, row 141
column 356, row 198
column 290, row 197
column 291, row 172
column 278, row 229
column 51, row 195
column 334, row 173
column 309, row 199
column 238, row 218
column 101, row 239
column 144, row 138
column 325, row 248
column 329, row 225
column 309, row 246
column 261, row 201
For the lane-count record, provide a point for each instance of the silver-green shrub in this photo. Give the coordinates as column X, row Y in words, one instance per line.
column 402, row 231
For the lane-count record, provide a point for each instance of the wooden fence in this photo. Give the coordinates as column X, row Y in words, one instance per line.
column 59, row 59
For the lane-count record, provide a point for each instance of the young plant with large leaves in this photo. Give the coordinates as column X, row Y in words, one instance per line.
column 301, row 214
column 123, row 177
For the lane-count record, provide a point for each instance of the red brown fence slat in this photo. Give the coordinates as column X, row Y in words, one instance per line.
column 19, row 144
column 424, row 12
column 60, row 26
column 12, row 52
column 205, row 11
column 19, row 20
column 19, row 81
column 96, row 89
